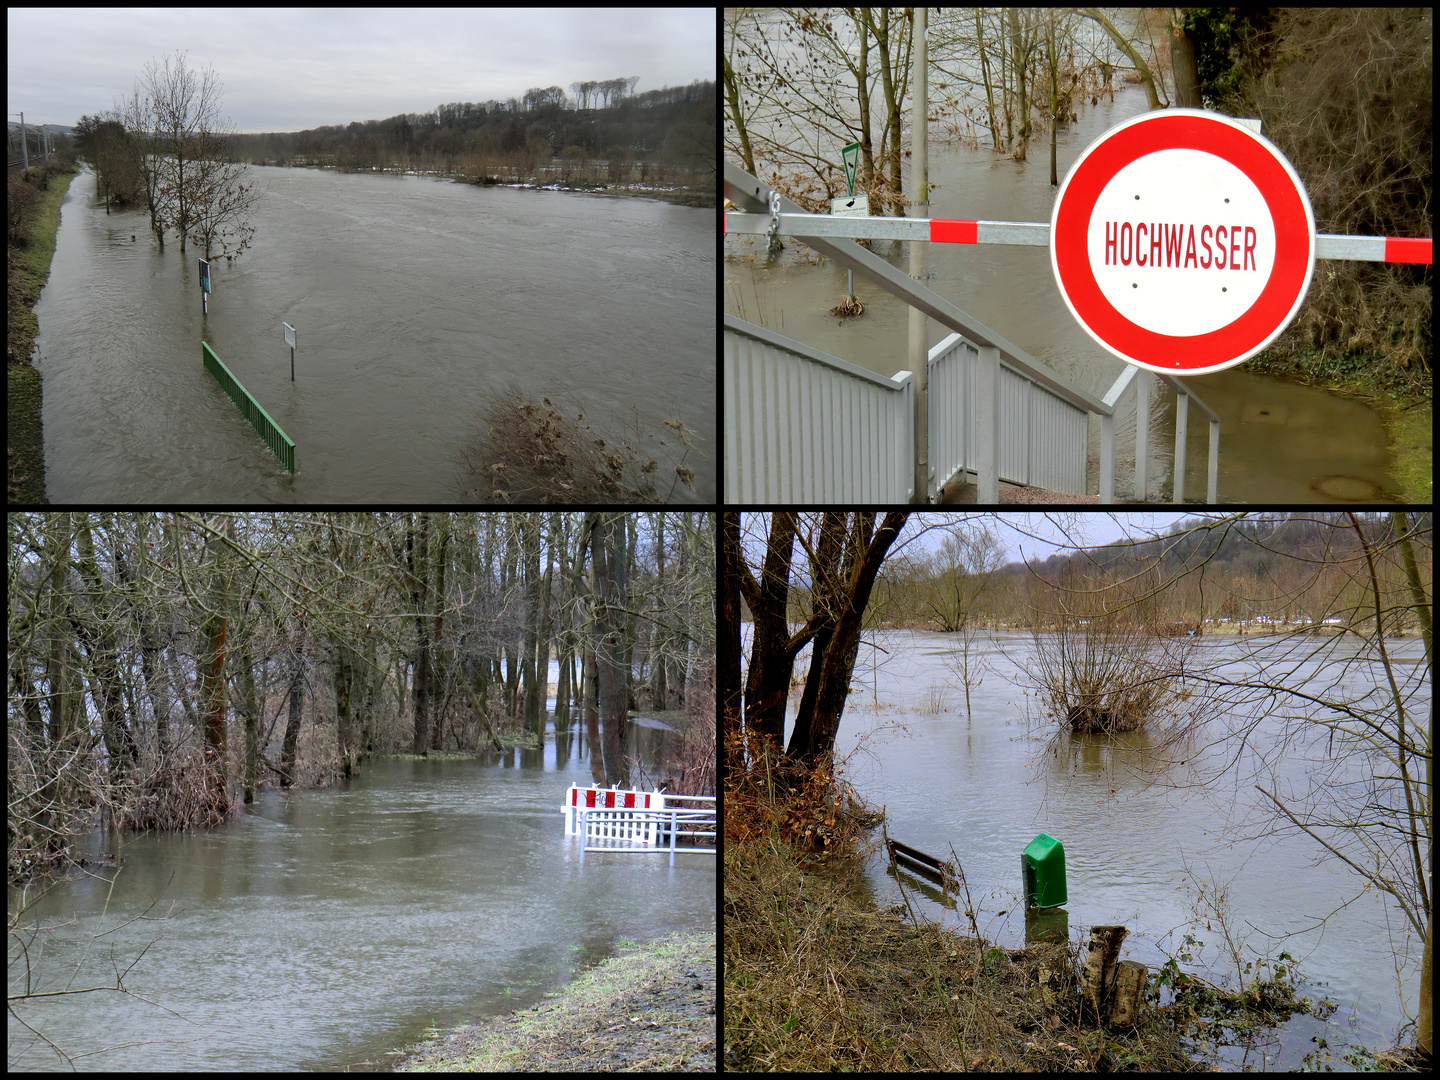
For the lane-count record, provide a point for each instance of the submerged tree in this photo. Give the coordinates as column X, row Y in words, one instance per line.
column 196, row 186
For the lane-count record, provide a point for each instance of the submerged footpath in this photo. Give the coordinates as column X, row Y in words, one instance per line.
column 652, row 1008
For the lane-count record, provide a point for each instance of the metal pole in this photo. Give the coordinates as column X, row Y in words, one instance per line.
column 25, row 142
column 292, row 363
column 920, row 208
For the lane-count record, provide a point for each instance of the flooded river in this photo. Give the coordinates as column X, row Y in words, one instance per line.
column 1136, row 853
column 1278, row 440
column 417, row 301
column 321, row 929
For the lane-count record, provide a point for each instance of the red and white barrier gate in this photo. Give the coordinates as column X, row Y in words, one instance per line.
column 640, row 828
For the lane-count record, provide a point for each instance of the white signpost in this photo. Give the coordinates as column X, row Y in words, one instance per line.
column 289, row 332
column 204, row 287
column 852, row 206
column 1183, row 241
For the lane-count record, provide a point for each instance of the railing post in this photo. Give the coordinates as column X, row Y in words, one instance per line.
column 1107, row 458
column 1143, row 380
column 985, row 412
column 1182, row 413
column 1214, row 466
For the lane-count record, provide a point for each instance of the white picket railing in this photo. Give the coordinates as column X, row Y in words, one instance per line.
column 619, row 830
column 579, row 801
column 804, row 426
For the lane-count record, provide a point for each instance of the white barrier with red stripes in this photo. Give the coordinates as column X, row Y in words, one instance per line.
column 636, row 829
column 1033, row 234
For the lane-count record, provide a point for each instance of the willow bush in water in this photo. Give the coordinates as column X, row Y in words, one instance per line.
column 1104, row 673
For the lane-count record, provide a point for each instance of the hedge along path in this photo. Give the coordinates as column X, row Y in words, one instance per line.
column 28, row 269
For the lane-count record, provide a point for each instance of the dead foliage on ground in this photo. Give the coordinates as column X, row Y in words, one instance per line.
column 532, row 452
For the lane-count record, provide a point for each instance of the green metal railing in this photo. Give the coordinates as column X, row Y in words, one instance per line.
column 280, row 444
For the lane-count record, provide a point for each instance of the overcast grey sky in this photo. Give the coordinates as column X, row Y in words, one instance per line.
column 287, row 70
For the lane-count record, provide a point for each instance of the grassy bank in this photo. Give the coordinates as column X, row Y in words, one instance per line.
column 651, row 1009
column 28, row 268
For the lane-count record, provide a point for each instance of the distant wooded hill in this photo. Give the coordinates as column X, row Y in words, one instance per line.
column 1304, row 567
column 672, row 123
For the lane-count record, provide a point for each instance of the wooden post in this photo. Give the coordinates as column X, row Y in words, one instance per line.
column 1129, row 986
column 1100, row 959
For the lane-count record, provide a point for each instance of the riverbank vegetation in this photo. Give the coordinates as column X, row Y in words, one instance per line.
column 33, row 201
column 163, row 668
column 1330, row 689
column 649, row 1009
column 817, row 978
column 603, row 137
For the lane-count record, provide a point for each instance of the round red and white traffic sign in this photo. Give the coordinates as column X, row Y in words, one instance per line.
column 1182, row 241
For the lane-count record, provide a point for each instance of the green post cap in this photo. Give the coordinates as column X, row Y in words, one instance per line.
column 1042, row 867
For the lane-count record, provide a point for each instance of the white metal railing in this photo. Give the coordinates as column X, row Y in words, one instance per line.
column 971, row 430
column 804, row 426
column 620, row 830
column 1042, row 437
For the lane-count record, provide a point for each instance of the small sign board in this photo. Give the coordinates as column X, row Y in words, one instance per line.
column 204, row 275
column 289, row 334
column 850, row 157
column 855, row 206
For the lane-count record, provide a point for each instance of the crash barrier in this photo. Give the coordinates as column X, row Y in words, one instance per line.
column 579, row 801
column 618, row 830
column 280, row 444
column 915, row 859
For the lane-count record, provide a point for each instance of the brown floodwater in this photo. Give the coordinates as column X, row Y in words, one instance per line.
column 319, row 930
column 417, row 302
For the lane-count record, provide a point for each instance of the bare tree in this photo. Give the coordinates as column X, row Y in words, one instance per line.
column 220, row 200
column 185, row 105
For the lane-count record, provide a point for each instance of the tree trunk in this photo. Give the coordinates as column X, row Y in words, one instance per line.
column 250, row 702
column 530, row 645
column 608, row 555
column 813, row 741
column 592, row 718
column 1098, row 974
column 1183, row 64
column 212, row 678
column 729, row 648
column 417, row 549
column 767, row 686
column 292, row 726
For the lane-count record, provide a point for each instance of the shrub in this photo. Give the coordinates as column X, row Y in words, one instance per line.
column 21, row 197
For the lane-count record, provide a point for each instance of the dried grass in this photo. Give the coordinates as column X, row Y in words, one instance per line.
column 528, row 452
column 818, row 980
